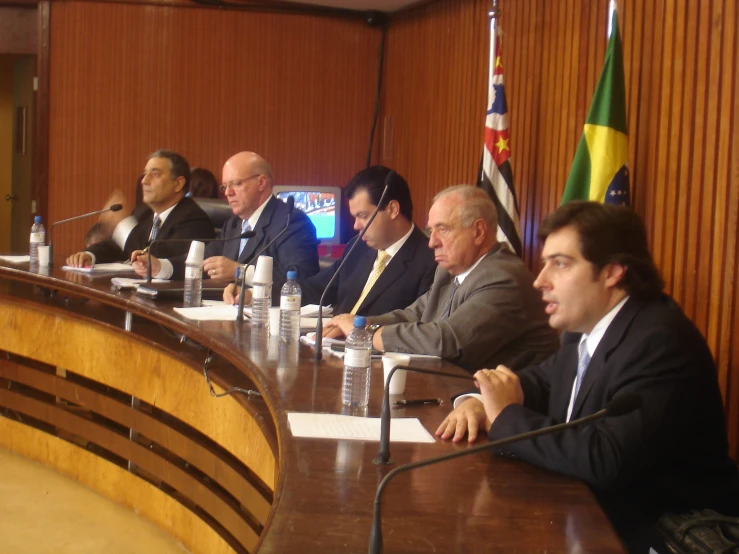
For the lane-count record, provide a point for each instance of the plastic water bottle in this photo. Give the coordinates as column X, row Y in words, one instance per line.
column 355, row 386
column 261, row 300
column 290, row 309
column 193, row 285
column 38, row 238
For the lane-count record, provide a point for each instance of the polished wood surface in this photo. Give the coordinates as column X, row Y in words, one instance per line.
column 681, row 64
column 324, row 489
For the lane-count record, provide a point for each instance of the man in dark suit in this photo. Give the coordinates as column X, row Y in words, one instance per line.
column 481, row 307
column 390, row 268
column 622, row 335
column 247, row 183
column 171, row 215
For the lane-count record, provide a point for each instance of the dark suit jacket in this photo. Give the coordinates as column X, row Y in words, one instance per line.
column 186, row 221
column 671, row 455
column 408, row 275
column 296, row 249
column 497, row 317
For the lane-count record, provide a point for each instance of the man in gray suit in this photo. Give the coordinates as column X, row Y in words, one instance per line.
column 481, row 307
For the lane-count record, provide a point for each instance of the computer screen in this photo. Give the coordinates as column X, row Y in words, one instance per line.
column 322, row 205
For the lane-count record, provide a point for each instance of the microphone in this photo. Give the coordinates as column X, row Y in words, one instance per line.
column 383, row 454
column 290, row 207
column 113, row 208
column 619, row 406
column 244, row 235
column 319, row 323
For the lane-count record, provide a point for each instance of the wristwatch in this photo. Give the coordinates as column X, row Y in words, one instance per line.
column 372, row 328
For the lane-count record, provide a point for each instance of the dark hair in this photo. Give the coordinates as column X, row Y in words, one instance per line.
column 203, row 183
column 610, row 235
column 97, row 233
column 178, row 166
column 372, row 180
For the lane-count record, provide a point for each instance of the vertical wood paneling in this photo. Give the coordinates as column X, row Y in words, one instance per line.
column 681, row 61
column 128, row 79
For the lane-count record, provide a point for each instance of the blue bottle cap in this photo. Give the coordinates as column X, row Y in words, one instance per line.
column 37, row 219
column 360, row 321
column 292, row 275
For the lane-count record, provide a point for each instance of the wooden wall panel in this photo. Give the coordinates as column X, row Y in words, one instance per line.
column 681, row 62
column 128, row 79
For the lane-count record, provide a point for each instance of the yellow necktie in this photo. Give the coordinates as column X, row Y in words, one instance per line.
column 382, row 259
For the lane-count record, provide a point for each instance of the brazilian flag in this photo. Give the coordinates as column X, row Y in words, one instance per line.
column 599, row 171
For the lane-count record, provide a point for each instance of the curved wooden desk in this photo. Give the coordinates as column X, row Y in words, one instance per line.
column 98, row 384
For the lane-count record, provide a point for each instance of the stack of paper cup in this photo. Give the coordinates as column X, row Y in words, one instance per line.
column 43, row 256
column 263, row 272
column 195, row 256
column 391, row 360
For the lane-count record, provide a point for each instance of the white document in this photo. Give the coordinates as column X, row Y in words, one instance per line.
column 16, row 259
column 332, row 426
column 219, row 312
column 126, row 283
column 102, row 268
column 311, row 310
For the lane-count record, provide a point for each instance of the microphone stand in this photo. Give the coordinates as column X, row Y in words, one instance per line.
column 240, row 312
column 619, row 406
column 113, row 208
column 318, row 356
column 244, row 235
column 383, row 454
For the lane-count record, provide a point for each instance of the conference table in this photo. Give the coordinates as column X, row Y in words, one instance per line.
column 110, row 388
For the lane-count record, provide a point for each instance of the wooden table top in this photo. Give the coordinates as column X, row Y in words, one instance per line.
column 325, row 489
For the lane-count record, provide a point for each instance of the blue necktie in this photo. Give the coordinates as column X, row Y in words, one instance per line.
column 582, row 367
column 244, row 228
column 155, row 228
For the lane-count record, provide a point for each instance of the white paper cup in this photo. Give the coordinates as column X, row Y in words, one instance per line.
column 43, row 255
column 391, row 360
column 274, row 321
column 195, row 255
column 263, row 272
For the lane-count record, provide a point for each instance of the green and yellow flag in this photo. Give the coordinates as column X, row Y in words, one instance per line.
column 599, row 171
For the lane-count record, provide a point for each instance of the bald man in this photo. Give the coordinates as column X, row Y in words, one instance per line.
column 247, row 184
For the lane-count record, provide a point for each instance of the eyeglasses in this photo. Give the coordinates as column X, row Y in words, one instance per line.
column 236, row 185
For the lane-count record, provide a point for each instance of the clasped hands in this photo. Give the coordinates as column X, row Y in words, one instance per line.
column 499, row 387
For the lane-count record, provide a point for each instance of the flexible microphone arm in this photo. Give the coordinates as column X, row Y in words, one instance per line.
column 113, row 208
column 290, row 207
column 620, row 405
column 319, row 322
column 383, row 454
column 244, row 235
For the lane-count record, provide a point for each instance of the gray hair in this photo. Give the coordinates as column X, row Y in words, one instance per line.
column 178, row 166
column 474, row 203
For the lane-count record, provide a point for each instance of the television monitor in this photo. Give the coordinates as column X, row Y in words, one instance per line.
column 322, row 205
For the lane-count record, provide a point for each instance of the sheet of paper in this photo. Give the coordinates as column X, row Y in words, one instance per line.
column 222, row 312
column 126, row 283
column 16, row 259
column 333, row 426
column 102, row 268
column 311, row 310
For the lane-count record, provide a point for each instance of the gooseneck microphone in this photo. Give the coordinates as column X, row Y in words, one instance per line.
column 319, row 322
column 290, row 207
column 244, row 235
column 383, row 454
column 113, row 208
column 620, row 405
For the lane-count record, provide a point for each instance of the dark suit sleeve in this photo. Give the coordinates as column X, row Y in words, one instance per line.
column 674, row 381
column 312, row 288
column 106, row 251
column 297, row 249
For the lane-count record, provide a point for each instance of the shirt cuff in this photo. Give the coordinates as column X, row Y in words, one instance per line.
column 92, row 263
column 166, row 270
column 462, row 397
column 122, row 230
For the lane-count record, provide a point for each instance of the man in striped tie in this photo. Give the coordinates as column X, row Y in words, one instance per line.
column 621, row 335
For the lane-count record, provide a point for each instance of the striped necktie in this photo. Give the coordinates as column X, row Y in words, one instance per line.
column 155, row 228
column 582, row 367
column 244, row 228
column 381, row 262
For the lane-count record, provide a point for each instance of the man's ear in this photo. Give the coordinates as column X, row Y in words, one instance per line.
column 392, row 209
column 615, row 274
column 180, row 183
column 481, row 231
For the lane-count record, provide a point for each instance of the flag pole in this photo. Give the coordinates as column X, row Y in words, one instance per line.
column 493, row 15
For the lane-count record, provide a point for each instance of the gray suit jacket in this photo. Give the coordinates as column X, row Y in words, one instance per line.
column 496, row 317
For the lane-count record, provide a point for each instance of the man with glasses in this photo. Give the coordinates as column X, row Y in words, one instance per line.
column 165, row 181
column 247, row 184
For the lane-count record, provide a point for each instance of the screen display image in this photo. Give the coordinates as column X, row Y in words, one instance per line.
column 320, row 207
